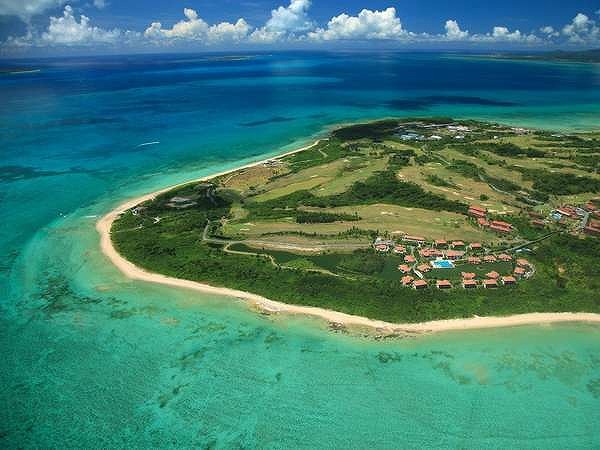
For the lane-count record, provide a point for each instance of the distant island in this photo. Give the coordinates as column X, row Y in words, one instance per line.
column 395, row 221
column 584, row 56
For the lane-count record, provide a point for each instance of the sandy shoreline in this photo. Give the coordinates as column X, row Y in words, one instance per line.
column 134, row 272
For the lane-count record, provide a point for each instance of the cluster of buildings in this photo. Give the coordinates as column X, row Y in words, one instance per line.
column 496, row 226
column 585, row 218
column 438, row 248
column 419, row 260
column 469, row 280
column 457, row 131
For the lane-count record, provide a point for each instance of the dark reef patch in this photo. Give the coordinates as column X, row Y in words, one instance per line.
column 418, row 103
column 274, row 119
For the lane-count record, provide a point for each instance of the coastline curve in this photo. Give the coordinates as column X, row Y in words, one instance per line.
column 131, row 271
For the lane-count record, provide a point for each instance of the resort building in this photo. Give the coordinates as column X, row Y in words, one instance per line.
column 457, row 244
column 523, row 262
column 476, row 246
column 591, row 230
column 414, row 239
column 399, row 249
column 407, row 280
column 443, row 284
column 469, row 284
column 493, row 274
column 420, row 284
column 404, row 268
column 468, row 275
column 568, row 212
column 519, row 271
column 499, row 223
column 500, row 229
column 383, row 248
column 490, row 284
column 410, row 259
column 426, row 253
column 489, row 259
column 475, row 211
column 424, row 268
column 440, row 243
column 504, row 257
column 474, row 260
column 454, row 254
column 509, row 281
column 483, row 223
column 380, row 240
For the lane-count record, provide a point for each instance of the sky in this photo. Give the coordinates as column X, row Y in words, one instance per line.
column 57, row 27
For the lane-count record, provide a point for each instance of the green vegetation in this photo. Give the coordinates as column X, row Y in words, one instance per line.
column 385, row 187
column 264, row 241
column 560, row 183
column 439, row 181
column 322, row 217
column 373, row 130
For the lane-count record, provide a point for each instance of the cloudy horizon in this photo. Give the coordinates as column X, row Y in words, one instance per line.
column 49, row 27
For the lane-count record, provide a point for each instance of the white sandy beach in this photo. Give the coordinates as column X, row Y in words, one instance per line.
column 271, row 306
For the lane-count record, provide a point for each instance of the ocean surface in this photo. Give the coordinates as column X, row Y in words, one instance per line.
column 93, row 360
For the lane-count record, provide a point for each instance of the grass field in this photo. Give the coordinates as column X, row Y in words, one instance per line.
column 391, row 219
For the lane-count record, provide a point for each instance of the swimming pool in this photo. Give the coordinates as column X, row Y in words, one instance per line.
column 443, row 264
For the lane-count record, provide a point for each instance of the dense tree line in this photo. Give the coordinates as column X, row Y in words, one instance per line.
column 559, row 183
column 324, row 217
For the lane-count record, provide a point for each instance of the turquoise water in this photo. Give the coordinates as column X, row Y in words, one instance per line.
column 93, row 360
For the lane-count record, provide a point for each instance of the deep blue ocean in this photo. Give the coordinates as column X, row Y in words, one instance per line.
column 91, row 359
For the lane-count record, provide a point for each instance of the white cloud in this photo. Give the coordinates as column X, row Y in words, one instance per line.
column 66, row 30
column 453, row 31
column 285, row 22
column 582, row 30
column 367, row 25
column 291, row 19
column 100, row 4
column 226, row 31
column 25, row 9
column 549, row 31
column 195, row 28
column 501, row 34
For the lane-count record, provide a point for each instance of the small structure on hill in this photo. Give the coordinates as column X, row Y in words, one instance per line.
column 418, row 240
column 469, row 284
column 424, row 268
column 420, row 284
column 509, row 281
column 454, row 254
column 490, row 284
column 407, row 280
column 404, row 268
column 399, row 249
column 444, row 284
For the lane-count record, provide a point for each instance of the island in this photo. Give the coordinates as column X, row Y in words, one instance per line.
column 396, row 221
column 583, row 56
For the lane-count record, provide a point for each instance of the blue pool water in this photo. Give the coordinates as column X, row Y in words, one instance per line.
column 91, row 359
column 443, row 264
